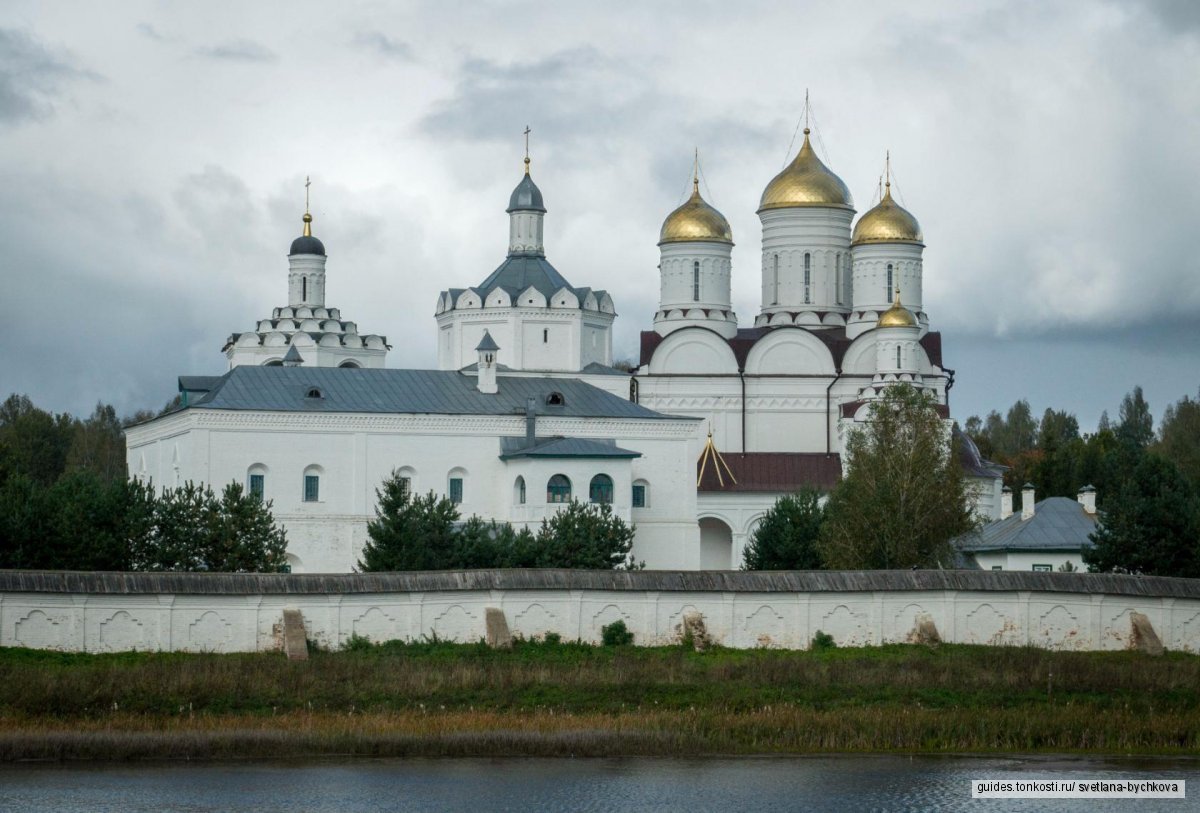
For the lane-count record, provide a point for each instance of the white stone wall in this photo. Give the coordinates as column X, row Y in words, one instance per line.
column 788, row 234
column 560, row 334
column 872, row 296
column 248, row 623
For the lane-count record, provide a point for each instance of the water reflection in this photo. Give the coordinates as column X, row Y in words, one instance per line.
column 884, row 783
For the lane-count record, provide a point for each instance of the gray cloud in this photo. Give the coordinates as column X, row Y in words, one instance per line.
column 151, row 33
column 32, row 77
column 1178, row 16
column 239, row 50
column 383, row 45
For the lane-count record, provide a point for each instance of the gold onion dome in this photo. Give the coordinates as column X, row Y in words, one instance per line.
column 695, row 220
column 897, row 315
column 806, row 182
column 888, row 222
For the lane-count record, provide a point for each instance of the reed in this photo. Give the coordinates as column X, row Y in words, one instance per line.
column 564, row 699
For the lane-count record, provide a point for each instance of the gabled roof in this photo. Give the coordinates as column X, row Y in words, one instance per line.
column 1057, row 524
column 775, row 472
column 433, row 392
column 563, row 447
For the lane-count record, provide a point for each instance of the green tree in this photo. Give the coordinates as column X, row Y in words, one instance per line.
column 904, row 496
column 585, row 536
column 245, row 538
column 1179, row 438
column 786, row 538
column 1150, row 526
column 98, row 445
column 32, row 441
column 1136, row 426
column 409, row 533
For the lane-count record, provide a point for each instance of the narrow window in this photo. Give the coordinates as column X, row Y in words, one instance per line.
column 696, row 281
column 520, row 489
column 545, row 335
column 639, row 496
column 1042, row 569
column 304, row 288
column 312, row 487
column 888, row 293
column 601, row 489
column 456, row 490
column 558, row 489
column 257, row 485
column 775, row 282
column 897, row 357
column 837, row 283
column 807, row 278
column 405, row 488
column 633, row 390
column 997, row 567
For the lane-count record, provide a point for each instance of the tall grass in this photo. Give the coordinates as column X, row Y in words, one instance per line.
column 539, row 699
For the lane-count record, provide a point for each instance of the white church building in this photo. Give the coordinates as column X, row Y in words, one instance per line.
column 527, row 411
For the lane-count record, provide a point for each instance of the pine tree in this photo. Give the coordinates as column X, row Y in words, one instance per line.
column 786, row 538
column 585, row 536
column 1137, row 424
column 409, row 533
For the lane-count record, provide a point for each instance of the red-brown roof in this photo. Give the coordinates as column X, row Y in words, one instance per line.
column 774, row 471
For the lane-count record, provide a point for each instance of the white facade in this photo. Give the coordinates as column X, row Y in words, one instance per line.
column 806, row 265
column 351, row 455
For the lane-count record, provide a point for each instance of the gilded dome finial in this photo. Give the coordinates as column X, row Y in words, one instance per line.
column 897, row 315
column 695, row 220
column 307, row 217
column 527, row 132
column 888, row 221
column 696, row 173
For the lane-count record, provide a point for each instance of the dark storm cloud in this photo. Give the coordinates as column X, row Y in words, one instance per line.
column 32, row 77
column 239, row 50
column 382, row 45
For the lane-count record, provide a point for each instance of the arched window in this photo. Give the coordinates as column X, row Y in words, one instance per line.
column 897, row 357
column 274, row 363
column 256, row 480
column 641, row 494
column 775, row 281
column 304, row 288
column 558, row 489
column 556, row 398
column 407, row 475
column 633, row 390
column 312, row 484
column 455, row 481
column 888, row 292
column 519, row 491
column 807, row 278
column 349, row 364
column 601, row 489
column 313, row 392
column 696, row 281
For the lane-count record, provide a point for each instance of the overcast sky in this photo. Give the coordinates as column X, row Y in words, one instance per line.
column 153, row 156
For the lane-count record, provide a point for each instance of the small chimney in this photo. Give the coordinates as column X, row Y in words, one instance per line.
column 1087, row 498
column 1027, row 501
column 530, row 422
column 1005, row 503
column 487, row 349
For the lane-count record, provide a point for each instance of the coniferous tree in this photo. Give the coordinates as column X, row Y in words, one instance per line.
column 409, row 533
column 787, row 536
column 1151, row 525
column 585, row 536
column 1136, row 427
column 1179, row 439
column 904, row 496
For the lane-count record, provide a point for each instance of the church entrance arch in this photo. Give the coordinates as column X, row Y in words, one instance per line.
column 716, row 544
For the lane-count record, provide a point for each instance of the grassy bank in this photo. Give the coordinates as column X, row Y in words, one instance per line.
column 558, row 699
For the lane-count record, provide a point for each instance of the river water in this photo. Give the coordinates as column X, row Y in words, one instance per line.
column 727, row 785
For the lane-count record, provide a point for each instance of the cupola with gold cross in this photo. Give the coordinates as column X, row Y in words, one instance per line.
column 695, row 263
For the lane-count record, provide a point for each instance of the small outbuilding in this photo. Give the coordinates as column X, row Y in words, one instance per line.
column 1045, row 536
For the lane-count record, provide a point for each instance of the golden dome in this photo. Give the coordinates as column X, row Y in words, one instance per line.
column 888, row 222
column 695, row 220
column 897, row 315
column 806, row 182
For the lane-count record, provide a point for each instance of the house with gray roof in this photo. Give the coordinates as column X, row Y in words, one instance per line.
column 1045, row 536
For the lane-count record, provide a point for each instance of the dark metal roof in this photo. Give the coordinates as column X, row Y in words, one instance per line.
column 782, row 581
column 563, row 447
column 307, row 244
column 1057, row 524
column 436, row 392
column 775, row 471
column 596, row 368
column 832, row 337
column 198, row 383
column 526, row 197
column 487, row 344
column 519, row 271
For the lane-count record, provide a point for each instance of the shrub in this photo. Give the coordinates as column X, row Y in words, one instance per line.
column 616, row 634
column 822, row 641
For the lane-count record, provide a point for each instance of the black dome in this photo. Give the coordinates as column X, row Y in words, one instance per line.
column 307, row 245
column 526, row 197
